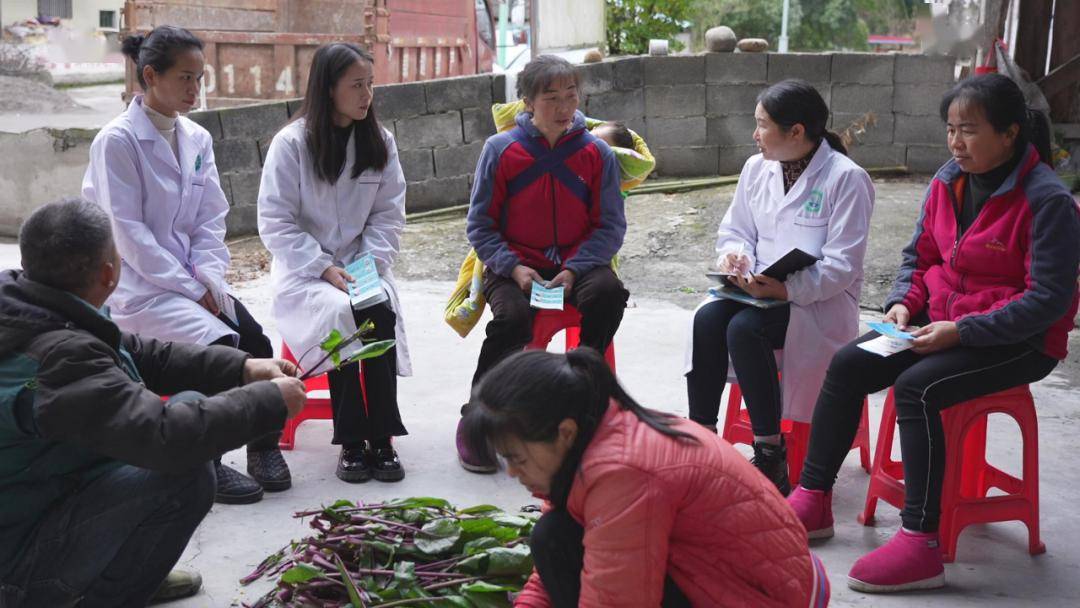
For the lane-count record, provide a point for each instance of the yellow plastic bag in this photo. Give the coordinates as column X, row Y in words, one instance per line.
column 634, row 165
column 466, row 304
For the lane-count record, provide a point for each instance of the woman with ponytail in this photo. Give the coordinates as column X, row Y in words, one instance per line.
column 644, row 508
column 803, row 192
column 987, row 287
column 153, row 171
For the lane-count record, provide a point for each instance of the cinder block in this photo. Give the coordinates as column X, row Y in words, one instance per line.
column 617, row 105
column 233, row 155
column 812, row 67
column 596, row 77
column 629, row 73
column 676, row 131
column 242, row 221
column 852, row 98
column 446, row 94
column 431, row 131
column 687, row 160
column 732, row 158
column 253, row 121
column 872, row 156
column 498, row 88
column 919, row 99
column 927, row 159
column 925, row 69
column 478, row 124
column 244, row 188
column 393, row 101
column 437, row 193
column 264, row 145
column 863, row 68
column 417, row 165
column 459, row 160
column 731, row 130
column 294, row 105
column 734, row 68
column 881, row 132
column 727, row 99
column 918, row 130
column 675, row 100
column 209, row 120
column 674, row 70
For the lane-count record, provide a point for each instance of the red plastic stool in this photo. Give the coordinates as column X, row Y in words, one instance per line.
column 547, row 323
column 737, row 429
column 968, row 476
column 318, row 402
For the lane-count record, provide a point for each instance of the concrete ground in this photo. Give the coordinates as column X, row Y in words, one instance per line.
column 98, row 104
column 993, row 568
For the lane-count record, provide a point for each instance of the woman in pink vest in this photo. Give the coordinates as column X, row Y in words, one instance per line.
column 990, row 278
column 644, row 509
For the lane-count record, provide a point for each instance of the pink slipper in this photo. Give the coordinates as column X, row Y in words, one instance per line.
column 814, row 509
column 910, row 560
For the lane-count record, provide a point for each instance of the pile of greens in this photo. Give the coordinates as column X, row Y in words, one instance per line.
column 415, row 552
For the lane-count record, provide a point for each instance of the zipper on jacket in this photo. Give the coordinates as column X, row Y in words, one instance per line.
column 555, row 222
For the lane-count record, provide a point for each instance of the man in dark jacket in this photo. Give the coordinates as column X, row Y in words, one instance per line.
column 103, row 483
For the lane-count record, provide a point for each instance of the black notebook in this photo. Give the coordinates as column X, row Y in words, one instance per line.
column 791, row 262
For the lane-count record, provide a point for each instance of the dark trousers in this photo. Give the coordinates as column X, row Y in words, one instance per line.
column 357, row 420
column 924, row 385
column 113, row 541
column 598, row 295
column 255, row 343
column 558, row 551
column 748, row 335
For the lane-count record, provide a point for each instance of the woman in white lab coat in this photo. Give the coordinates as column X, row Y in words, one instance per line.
column 332, row 191
column 153, row 171
column 801, row 191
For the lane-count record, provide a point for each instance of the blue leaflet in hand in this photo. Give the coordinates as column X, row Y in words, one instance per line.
column 890, row 330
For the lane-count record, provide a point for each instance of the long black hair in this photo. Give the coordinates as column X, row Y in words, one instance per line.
column 1003, row 104
column 530, row 393
column 158, row 49
column 327, row 67
column 796, row 102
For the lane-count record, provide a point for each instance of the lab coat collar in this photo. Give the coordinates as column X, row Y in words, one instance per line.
column 146, row 131
column 817, row 163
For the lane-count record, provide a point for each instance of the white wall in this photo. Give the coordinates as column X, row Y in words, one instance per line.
column 17, row 10
column 565, row 24
column 84, row 13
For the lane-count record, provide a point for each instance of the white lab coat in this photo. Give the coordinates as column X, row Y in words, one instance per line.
column 168, row 221
column 827, row 214
column 309, row 225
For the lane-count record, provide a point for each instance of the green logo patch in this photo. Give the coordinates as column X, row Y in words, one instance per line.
column 812, row 205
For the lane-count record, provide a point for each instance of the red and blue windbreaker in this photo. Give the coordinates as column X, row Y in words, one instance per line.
column 546, row 207
column 1011, row 277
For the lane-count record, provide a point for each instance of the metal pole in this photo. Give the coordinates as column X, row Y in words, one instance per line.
column 501, row 42
column 783, row 28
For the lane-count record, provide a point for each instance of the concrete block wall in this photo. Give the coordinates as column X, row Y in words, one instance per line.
column 440, row 127
column 697, row 112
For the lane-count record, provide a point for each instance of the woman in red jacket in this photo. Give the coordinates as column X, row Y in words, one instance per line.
column 990, row 276
column 645, row 509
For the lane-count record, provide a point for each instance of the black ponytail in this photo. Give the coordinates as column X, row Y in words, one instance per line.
column 1004, row 105
column 794, row 101
column 158, row 49
column 530, row 393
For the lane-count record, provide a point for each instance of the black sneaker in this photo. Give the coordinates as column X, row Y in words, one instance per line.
column 235, row 488
column 385, row 465
column 771, row 460
column 352, row 465
column 268, row 467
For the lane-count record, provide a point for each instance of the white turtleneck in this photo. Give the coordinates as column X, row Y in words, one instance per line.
column 166, row 125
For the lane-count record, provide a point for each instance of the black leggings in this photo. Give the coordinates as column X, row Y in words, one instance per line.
column 378, row 418
column 558, row 551
column 749, row 335
column 255, row 343
column 924, row 385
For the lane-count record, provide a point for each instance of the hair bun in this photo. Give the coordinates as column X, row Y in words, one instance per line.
column 131, row 46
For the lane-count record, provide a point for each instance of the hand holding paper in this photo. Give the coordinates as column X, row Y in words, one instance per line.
column 544, row 298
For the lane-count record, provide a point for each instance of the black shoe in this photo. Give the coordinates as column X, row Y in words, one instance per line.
column 385, row 465
column 352, row 465
column 268, row 467
column 771, row 460
column 235, row 488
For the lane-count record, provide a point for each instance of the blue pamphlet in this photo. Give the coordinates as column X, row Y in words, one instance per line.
column 542, row 297
column 890, row 330
column 366, row 288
